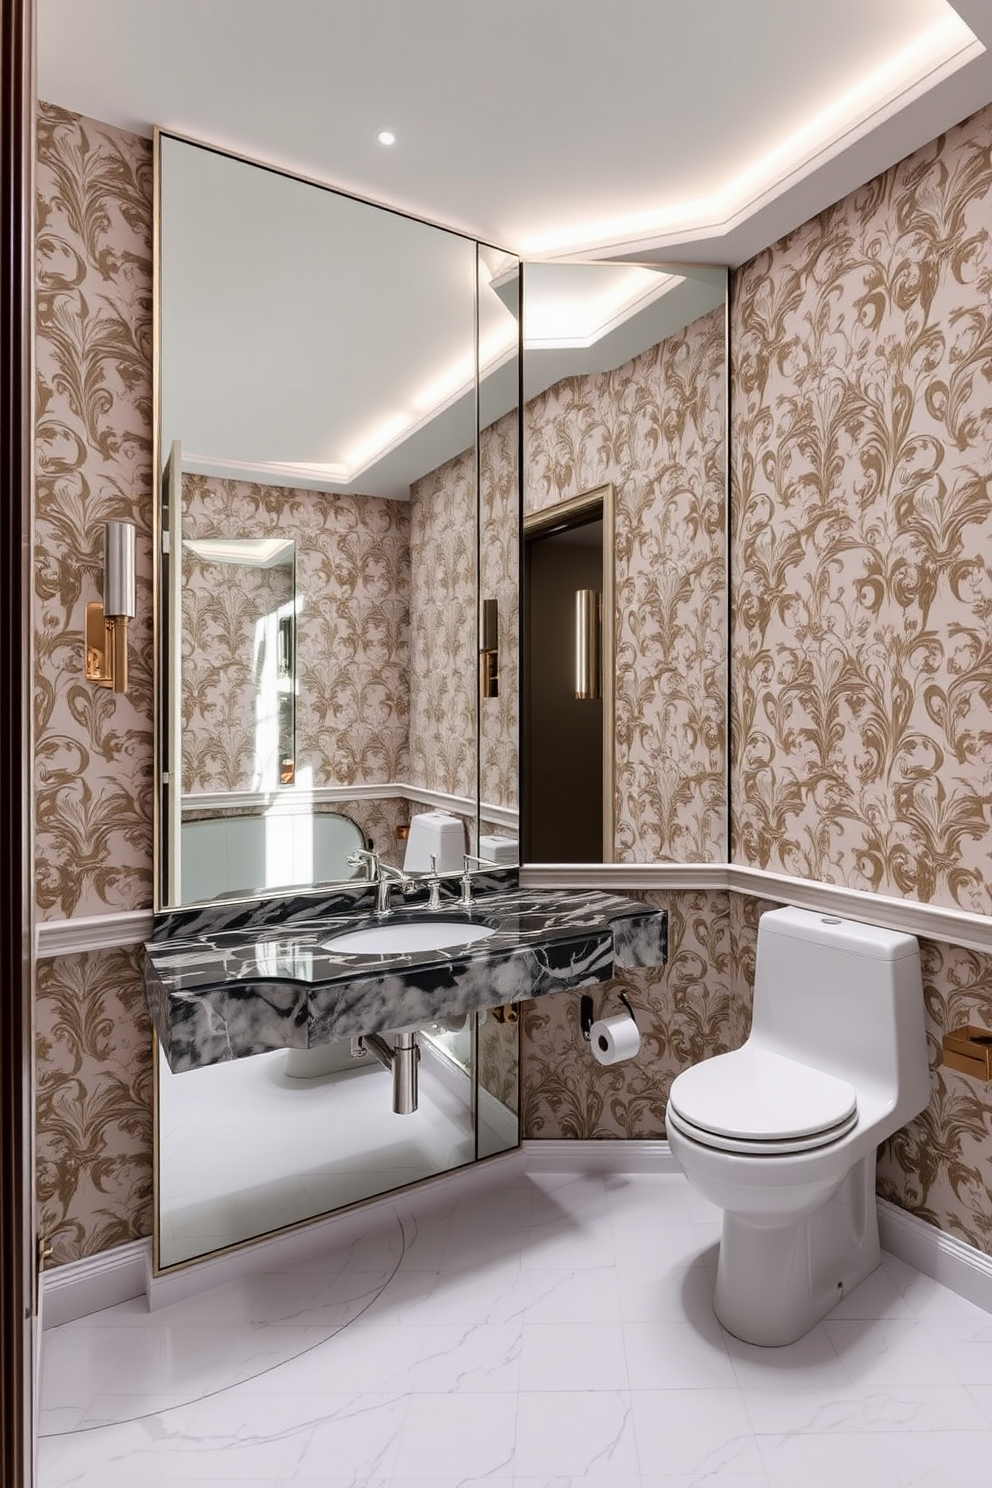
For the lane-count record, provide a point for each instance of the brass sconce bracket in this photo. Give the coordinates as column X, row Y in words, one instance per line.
column 105, row 633
column 489, row 649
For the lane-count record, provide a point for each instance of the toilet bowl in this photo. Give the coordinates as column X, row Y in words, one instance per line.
column 782, row 1133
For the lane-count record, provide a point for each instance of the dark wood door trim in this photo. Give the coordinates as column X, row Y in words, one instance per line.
column 17, row 1243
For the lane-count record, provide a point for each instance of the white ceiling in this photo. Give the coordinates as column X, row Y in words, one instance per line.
column 683, row 132
column 543, row 126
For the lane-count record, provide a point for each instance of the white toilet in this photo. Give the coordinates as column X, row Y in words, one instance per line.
column 437, row 835
column 782, row 1133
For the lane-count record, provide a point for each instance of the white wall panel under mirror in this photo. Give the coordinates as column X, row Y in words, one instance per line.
column 338, row 435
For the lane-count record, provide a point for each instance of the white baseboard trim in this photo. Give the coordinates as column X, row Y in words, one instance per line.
column 81, row 1287
column 604, row 1156
column 952, row 1262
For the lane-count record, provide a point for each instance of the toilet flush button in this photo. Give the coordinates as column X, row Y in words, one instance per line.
column 830, row 920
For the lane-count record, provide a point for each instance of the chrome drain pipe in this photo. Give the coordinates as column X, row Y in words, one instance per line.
column 402, row 1059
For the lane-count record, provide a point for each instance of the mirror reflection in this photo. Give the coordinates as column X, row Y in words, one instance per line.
column 630, row 430
column 326, row 369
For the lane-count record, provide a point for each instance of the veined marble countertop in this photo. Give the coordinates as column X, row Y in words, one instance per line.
column 225, row 990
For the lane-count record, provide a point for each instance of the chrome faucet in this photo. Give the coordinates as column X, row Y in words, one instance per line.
column 382, row 875
column 466, row 896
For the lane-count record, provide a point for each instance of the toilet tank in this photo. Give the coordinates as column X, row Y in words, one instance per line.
column 845, row 997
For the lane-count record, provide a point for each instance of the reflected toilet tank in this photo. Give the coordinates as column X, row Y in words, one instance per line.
column 435, row 834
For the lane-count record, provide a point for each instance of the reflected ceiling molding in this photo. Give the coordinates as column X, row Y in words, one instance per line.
column 579, row 318
column 252, row 552
column 932, row 57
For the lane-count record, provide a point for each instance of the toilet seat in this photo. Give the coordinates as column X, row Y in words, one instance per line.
column 756, row 1102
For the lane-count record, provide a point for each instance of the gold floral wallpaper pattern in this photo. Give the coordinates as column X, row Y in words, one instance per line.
column 499, row 579
column 93, row 346
column 444, row 628
column 655, row 428
column 236, row 709
column 684, row 1012
column 352, row 645
column 862, row 525
column 94, row 1070
column 93, row 781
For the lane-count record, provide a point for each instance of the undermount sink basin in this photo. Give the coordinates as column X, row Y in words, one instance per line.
column 411, row 935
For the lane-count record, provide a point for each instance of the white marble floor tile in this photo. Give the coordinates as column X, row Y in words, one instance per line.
column 669, row 1249
column 647, row 1296
column 705, row 1433
column 591, row 1295
column 677, row 1355
column 705, row 1480
column 573, row 1357
column 788, row 1410
column 888, row 1351
column 478, row 1359
column 939, row 1459
column 585, row 1433
column 354, row 1436
column 982, row 1396
column 642, row 1198
column 853, row 1460
column 923, row 1408
column 812, row 1359
column 572, row 1245
column 463, row 1435
column 550, row 1332
column 966, row 1343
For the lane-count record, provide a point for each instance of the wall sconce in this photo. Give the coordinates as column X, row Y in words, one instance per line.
column 588, row 644
column 106, row 624
column 489, row 648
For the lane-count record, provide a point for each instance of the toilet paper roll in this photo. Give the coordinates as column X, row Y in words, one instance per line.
column 614, row 1039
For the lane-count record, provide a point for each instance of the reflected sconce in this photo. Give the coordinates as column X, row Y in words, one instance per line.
column 106, row 624
column 588, row 644
column 489, row 648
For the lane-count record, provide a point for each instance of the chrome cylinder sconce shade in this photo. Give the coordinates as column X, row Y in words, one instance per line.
column 588, row 644
column 489, row 648
column 107, row 623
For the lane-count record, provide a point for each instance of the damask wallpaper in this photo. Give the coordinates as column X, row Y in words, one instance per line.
column 94, row 1071
column 862, row 528
column 93, row 749
column 353, row 633
column 444, row 628
column 684, row 1013
column 857, row 545
column 655, row 428
column 235, row 687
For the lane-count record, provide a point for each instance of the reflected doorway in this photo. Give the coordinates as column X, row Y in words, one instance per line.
column 567, row 759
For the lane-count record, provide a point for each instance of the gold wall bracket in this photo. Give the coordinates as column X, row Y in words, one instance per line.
column 489, row 648
column 105, row 633
column 969, row 1051
column 106, row 649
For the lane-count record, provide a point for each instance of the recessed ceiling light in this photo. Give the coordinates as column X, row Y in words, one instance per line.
column 386, row 137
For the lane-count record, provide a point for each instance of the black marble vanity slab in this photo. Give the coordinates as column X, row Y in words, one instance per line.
column 230, row 988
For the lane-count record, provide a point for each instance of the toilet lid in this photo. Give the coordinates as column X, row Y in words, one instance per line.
column 754, row 1096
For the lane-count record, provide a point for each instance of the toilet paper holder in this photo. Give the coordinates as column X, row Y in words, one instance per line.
column 587, row 1015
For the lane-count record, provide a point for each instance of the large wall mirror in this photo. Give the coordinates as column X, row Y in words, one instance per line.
column 343, row 457
column 338, row 437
